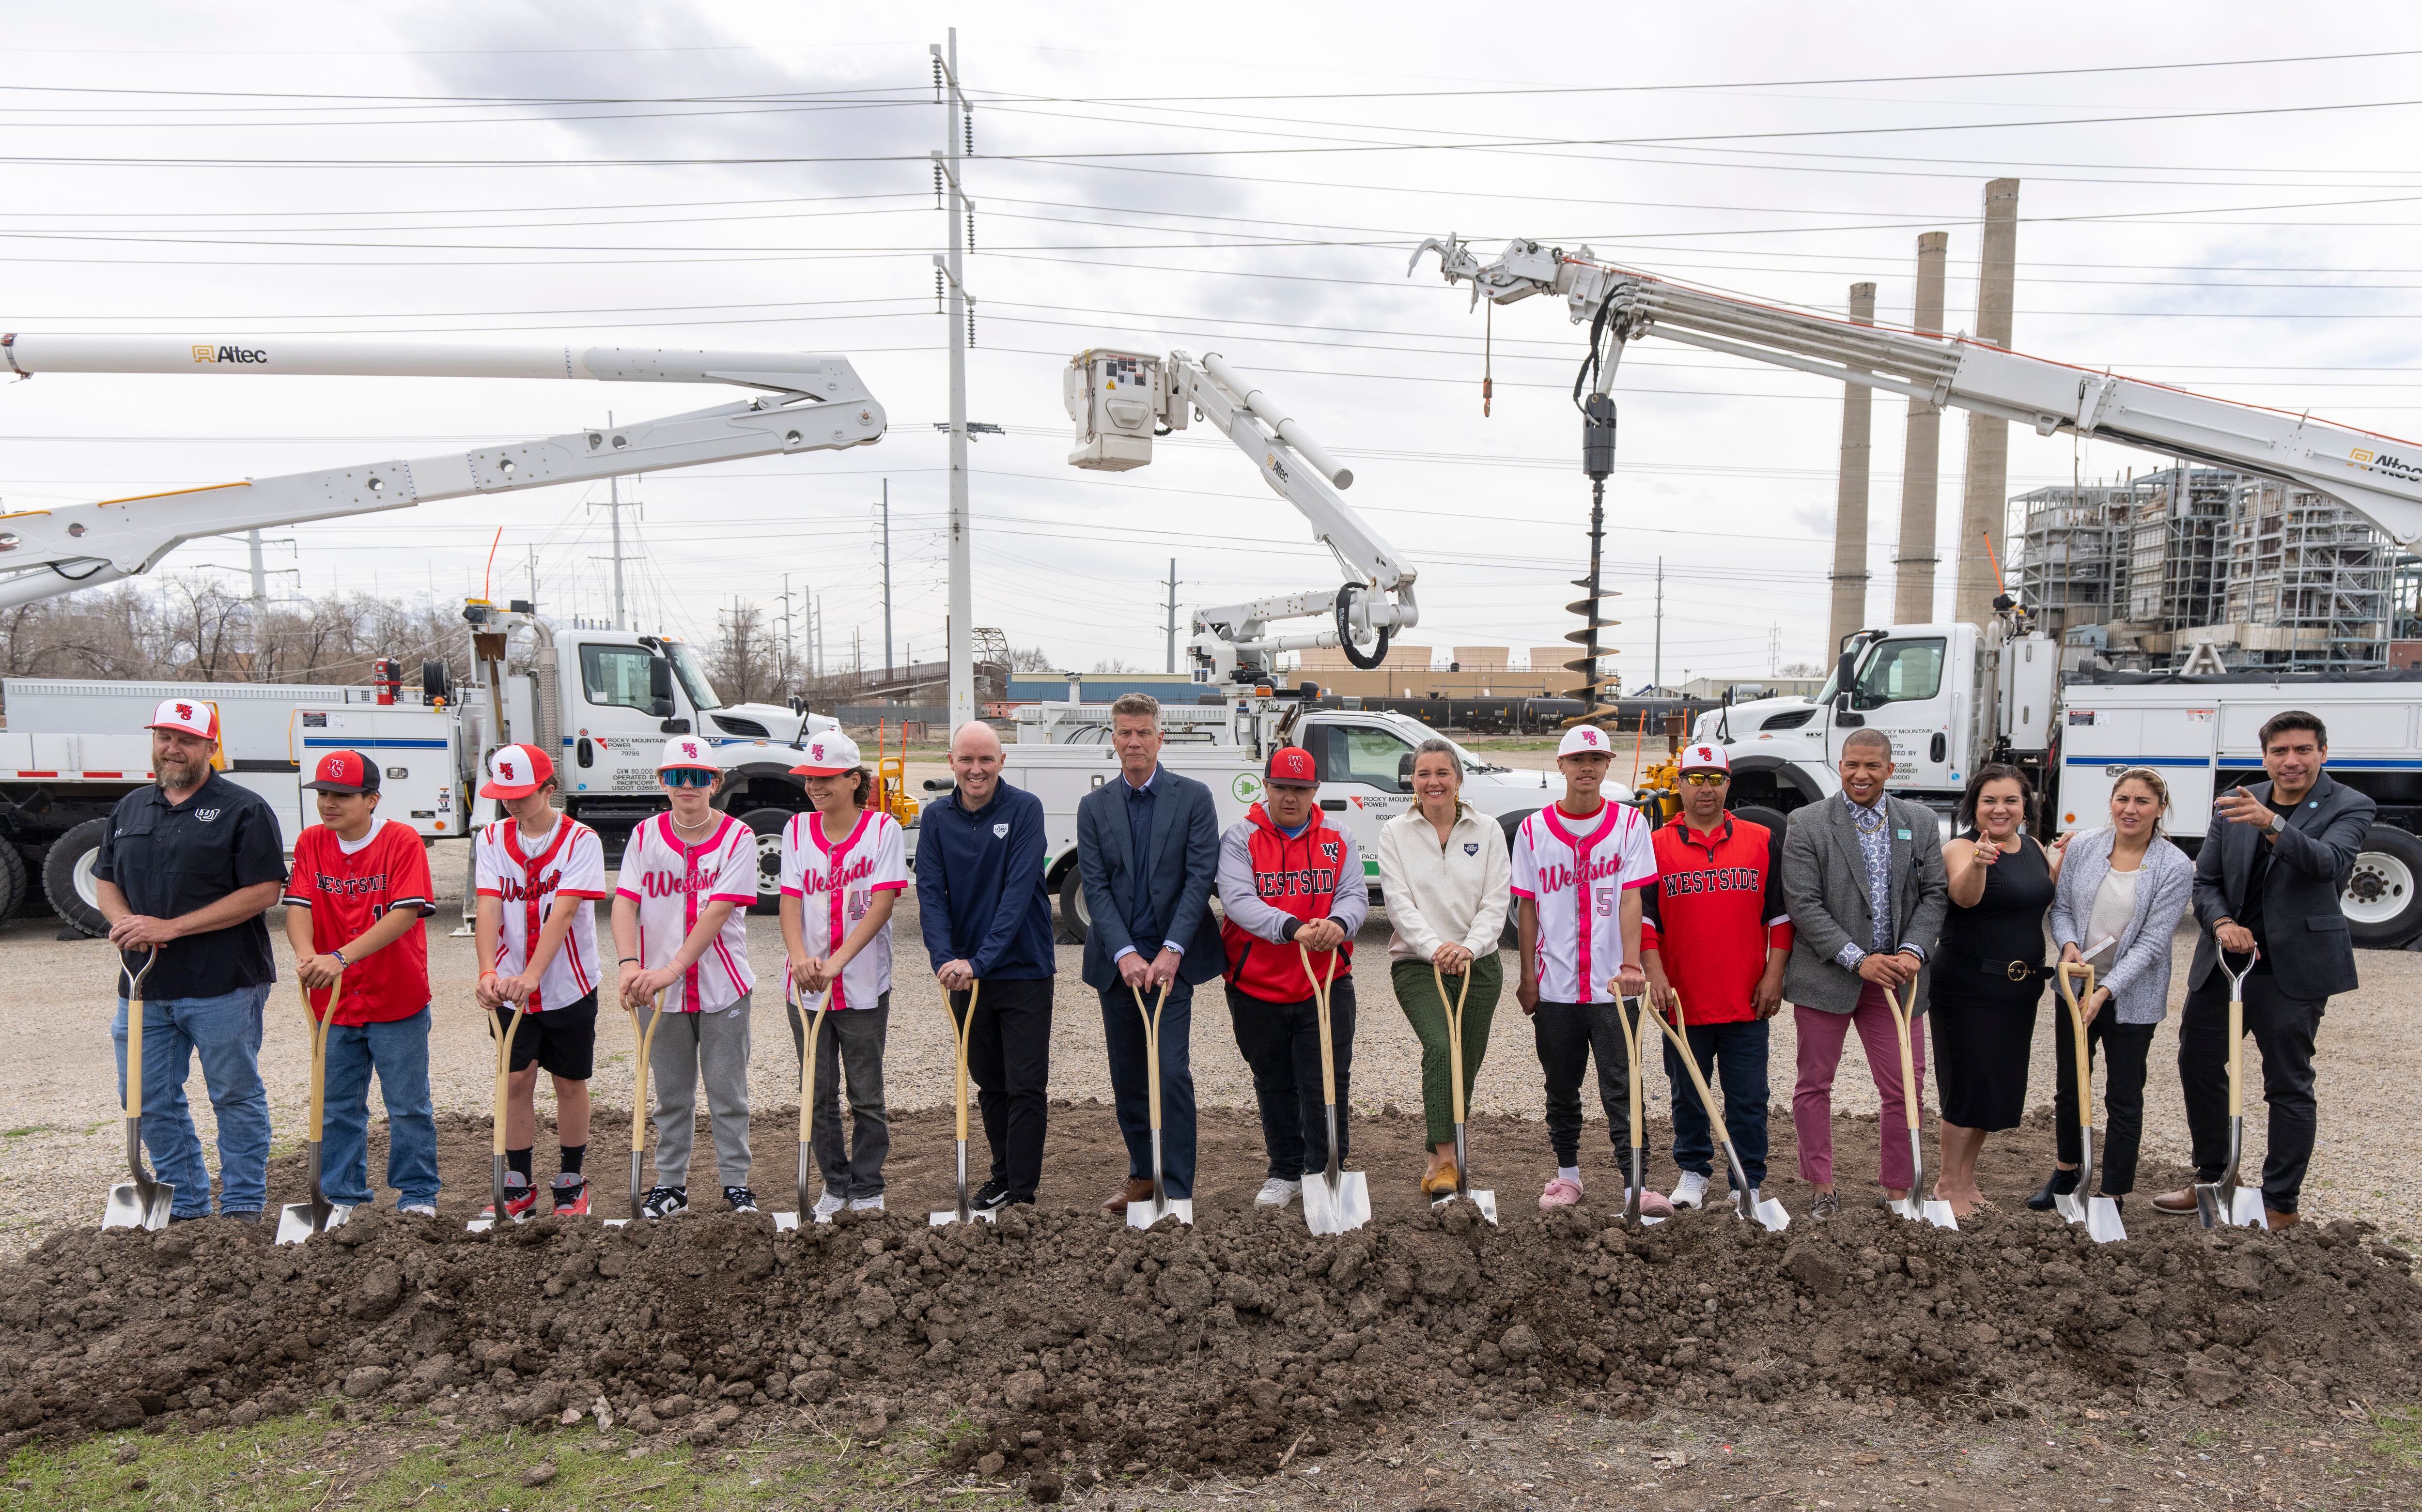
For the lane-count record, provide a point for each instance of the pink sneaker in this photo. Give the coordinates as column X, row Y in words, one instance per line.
column 1654, row 1204
column 1559, row 1193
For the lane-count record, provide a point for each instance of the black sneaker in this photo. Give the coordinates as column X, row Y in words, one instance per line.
column 665, row 1201
column 990, row 1197
column 741, row 1199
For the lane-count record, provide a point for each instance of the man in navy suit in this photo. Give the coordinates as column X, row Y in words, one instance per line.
column 1148, row 850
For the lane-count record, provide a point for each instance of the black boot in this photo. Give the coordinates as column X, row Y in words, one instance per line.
column 2061, row 1185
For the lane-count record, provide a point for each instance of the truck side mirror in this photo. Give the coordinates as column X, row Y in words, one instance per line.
column 660, row 689
column 675, row 726
column 1405, row 772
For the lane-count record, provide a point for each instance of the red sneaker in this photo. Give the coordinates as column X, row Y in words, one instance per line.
column 520, row 1198
column 571, row 1195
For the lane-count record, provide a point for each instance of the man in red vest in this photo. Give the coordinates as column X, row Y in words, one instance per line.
column 1290, row 882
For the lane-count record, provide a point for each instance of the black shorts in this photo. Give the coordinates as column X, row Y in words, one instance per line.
column 563, row 1040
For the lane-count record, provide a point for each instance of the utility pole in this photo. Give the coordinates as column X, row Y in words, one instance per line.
column 1171, row 625
column 260, row 572
column 1657, row 662
column 957, row 122
column 887, row 578
column 789, row 642
column 615, row 506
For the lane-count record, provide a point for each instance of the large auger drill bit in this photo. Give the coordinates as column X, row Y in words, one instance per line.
column 1598, row 460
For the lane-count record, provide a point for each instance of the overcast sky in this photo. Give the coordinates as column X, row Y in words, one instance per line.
column 1245, row 179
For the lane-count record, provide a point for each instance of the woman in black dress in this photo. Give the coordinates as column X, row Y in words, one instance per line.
column 1989, row 973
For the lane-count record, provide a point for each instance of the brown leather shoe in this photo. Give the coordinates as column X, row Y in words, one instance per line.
column 2177, row 1204
column 2280, row 1220
column 1138, row 1189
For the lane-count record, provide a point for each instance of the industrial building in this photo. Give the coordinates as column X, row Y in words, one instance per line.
column 2199, row 567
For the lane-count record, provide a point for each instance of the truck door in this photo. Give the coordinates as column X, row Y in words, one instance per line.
column 611, row 730
column 1901, row 691
column 1358, row 765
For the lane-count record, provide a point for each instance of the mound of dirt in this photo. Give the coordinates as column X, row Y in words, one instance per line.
column 1239, row 1342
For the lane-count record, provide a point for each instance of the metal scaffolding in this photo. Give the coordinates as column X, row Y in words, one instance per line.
column 2307, row 585
column 2176, row 547
column 2070, row 552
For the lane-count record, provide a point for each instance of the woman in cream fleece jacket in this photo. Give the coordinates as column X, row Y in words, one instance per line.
column 1447, row 881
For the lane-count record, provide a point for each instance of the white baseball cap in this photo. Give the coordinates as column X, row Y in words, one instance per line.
column 192, row 716
column 1585, row 740
column 829, row 754
column 687, row 750
column 1704, row 758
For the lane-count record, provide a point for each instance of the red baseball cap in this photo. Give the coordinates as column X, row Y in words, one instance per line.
column 516, row 772
column 344, row 771
column 1291, row 766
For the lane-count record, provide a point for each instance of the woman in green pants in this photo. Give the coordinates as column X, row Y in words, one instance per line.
column 1446, row 875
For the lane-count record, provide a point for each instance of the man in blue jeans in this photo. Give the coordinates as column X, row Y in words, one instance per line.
column 188, row 868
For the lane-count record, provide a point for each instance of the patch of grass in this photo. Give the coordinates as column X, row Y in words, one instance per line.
column 301, row 1462
column 21, row 1133
column 2401, row 1435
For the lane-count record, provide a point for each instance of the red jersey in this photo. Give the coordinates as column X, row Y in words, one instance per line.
column 349, row 890
column 1718, row 905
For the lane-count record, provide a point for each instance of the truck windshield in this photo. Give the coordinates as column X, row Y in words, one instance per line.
column 693, row 677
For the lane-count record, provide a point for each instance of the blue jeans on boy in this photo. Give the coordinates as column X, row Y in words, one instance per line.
column 226, row 1031
column 398, row 1052
column 1732, row 1057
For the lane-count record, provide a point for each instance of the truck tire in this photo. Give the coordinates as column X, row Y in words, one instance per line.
column 12, row 880
column 68, row 880
column 1074, row 918
column 1759, row 813
column 766, row 825
column 2383, row 897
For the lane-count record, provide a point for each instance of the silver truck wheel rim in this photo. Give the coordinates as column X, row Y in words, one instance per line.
column 2380, row 888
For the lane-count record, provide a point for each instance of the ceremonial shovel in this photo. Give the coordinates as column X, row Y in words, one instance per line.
column 142, row 1202
column 785, row 1222
column 2100, row 1215
column 1144, row 1215
column 1627, row 1013
column 647, row 1038
column 297, row 1222
column 1484, row 1201
column 964, row 1213
column 497, row 1119
column 1335, row 1201
column 1748, row 1201
column 2225, row 1200
column 1916, row 1205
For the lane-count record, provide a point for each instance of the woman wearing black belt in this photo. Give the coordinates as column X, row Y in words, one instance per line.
column 1989, row 973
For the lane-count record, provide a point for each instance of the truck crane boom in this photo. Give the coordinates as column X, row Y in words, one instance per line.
column 811, row 402
column 1120, row 400
column 2377, row 477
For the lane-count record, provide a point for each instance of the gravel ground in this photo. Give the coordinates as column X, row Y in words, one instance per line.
column 61, row 1142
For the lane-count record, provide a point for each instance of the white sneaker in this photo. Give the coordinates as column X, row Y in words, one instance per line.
column 828, row 1205
column 418, row 1209
column 867, row 1205
column 1691, row 1190
column 1278, row 1192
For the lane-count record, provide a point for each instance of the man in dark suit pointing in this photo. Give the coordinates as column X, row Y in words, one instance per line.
column 1148, row 850
column 2267, row 882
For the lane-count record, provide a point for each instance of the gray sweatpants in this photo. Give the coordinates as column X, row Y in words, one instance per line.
column 713, row 1047
column 851, row 1042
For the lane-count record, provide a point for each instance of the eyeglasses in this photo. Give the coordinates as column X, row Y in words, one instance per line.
column 682, row 777
column 1706, row 779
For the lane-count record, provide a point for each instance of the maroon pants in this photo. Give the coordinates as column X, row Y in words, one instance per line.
column 1820, row 1054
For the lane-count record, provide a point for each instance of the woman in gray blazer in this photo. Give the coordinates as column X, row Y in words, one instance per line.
column 2120, row 895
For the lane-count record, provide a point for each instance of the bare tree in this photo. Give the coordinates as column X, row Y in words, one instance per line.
column 1031, row 659
column 746, row 663
column 1114, row 664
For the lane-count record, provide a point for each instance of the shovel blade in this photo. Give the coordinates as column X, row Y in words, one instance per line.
column 1938, row 1212
column 1340, row 1209
column 2102, row 1223
column 951, row 1215
column 1145, row 1214
column 2245, row 1210
column 2070, row 1207
column 297, row 1222
column 2210, row 1207
column 1483, row 1202
column 131, row 1206
column 1771, row 1215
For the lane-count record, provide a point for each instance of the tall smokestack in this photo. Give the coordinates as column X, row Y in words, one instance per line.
column 1851, row 502
column 1921, row 457
column 1982, row 506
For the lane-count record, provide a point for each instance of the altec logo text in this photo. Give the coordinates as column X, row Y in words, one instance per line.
column 228, row 354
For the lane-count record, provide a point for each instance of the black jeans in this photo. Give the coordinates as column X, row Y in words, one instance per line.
column 2283, row 1030
column 2124, row 1049
column 1569, row 1033
column 1008, row 1059
column 1281, row 1041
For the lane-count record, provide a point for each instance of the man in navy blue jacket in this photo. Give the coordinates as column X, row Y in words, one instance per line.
column 986, row 917
column 1148, row 846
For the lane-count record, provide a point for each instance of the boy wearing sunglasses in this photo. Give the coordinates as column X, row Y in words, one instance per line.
column 1714, row 936
column 540, row 872
column 680, row 930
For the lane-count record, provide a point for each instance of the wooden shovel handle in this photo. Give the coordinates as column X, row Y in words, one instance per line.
column 1152, row 1045
column 1320, row 990
column 963, row 1025
column 647, row 1038
column 1453, row 1031
column 319, row 1029
column 2077, row 1028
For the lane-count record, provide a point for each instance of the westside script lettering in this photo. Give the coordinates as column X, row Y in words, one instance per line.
column 666, row 885
column 838, row 878
column 514, row 889
column 1555, row 876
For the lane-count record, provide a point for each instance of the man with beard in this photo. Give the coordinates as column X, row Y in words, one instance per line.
column 188, row 869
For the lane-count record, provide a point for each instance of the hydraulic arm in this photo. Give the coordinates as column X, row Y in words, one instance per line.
column 2377, row 477
column 811, row 402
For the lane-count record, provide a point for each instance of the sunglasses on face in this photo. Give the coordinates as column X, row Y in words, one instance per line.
column 682, row 777
column 1705, row 779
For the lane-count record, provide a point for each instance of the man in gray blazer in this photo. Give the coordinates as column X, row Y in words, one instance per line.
column 1864, row 880
column 1148, row 853
column 2268, row 881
